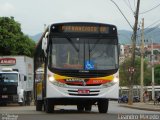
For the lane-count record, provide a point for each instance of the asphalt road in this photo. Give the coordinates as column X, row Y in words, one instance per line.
column 115, row 112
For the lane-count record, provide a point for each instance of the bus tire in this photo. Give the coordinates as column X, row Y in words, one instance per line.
column 88, row 107
column 3, row 104
column 49, row 107
column 103, row 106
column 80, row 108
column 39, row 104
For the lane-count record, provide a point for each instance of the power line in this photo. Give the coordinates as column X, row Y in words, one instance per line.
column 150, row 9
column 129, row 5
column 153, row 23
column 122, row 14
column 148, row 30
column 152, row 29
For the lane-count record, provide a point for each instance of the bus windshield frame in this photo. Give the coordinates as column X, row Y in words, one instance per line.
column 67, row 54
column 88, row 44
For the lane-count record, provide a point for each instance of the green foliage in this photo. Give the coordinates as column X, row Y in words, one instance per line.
column 157, row 74
column 124, row 74
column 12, row 39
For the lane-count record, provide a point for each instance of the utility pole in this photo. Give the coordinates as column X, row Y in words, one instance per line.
column 153, row 91
column 142, row 61
column 130, row 96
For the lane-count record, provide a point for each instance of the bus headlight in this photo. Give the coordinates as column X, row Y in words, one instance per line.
column 51, row 79
column 56, row 82
column 116, row 79
column 113, row 82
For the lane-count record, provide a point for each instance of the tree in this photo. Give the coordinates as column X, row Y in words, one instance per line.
column 12, row 39
column 157, row 74
column 124, row 74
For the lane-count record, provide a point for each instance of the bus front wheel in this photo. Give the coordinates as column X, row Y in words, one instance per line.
column 80, row 108
column 49, row 107
column 88, row 107
column 103, row 105
column 39, row 104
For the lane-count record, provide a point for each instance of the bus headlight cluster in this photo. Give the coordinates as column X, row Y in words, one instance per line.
column 116, row 79
column 55, row 82
column 113, row 82
column 51, row 79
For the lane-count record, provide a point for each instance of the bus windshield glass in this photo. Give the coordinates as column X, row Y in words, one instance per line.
column 83, row 53
column 8, row 77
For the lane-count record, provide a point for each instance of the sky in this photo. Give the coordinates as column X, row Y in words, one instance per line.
column 34, row 14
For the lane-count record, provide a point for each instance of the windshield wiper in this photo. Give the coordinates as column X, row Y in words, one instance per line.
column 72, row 43
column 90, row 50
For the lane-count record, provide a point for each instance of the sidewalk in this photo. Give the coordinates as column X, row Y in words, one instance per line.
column 142, row 106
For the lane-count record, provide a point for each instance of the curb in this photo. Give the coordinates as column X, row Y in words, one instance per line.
column 140, row 108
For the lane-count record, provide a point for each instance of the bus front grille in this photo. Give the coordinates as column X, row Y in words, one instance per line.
column 80, row 84
column 91, row 93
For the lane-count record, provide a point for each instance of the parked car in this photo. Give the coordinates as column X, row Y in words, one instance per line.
column 123, row 99
column 136, row 99
column 157, row 100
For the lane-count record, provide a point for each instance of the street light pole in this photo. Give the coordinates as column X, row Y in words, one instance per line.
column 142, row 61
column 153, row 91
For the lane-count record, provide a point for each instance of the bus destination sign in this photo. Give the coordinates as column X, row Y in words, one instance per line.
column 84, row 29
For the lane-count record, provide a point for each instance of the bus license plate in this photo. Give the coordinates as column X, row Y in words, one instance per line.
column 83, row 91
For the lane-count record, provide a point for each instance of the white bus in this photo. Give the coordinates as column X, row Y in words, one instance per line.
column 80, row 62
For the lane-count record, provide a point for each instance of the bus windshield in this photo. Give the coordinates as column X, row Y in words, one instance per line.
column 83, row 53
column 8, row 77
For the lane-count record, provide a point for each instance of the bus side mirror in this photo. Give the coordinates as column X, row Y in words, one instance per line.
column 44, row 43
column 25, row 78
